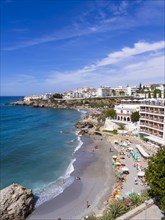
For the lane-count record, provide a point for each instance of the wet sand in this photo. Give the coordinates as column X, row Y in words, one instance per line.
column 93, row 165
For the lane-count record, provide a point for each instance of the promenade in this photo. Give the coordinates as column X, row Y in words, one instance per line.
column 151, row 212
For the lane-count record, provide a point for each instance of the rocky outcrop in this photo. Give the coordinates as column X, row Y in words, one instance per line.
column 88, row 125
column 16, row 202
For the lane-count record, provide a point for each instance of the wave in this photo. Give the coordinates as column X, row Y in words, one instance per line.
column 53, row 190
column 83, row 112
column 71, row 141
column 79, row 145
column 56, row 188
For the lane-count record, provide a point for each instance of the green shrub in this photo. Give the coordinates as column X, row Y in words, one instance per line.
column 106, row 216
column 112, row 132
column 144, row 196
column 117, row 208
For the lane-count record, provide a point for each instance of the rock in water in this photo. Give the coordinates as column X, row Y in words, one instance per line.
column 16, row 202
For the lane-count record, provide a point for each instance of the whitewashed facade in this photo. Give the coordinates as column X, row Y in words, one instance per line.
column 124, row 111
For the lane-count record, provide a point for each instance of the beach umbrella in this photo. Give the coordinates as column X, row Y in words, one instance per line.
column 125, row 169
column 114, row 156
column 116, row 142
column 125, row 144
column 141, row 173
column 122, row 163
column 118, row 163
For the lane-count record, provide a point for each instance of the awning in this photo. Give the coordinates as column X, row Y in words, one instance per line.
column 141, row 173
column 125, row 169
column 156, row 139
column 118, row 163
column 142, row 151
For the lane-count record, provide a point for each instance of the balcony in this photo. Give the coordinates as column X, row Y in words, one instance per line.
column 152, row 118
column 151, row 132
column 152, row 126
column 156, row 102
column 153, row 112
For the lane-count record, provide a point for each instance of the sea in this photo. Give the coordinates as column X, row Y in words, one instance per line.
column 37, row 147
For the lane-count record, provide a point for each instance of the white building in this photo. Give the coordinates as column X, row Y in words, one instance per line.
column 131, row 90
column 37, row 97
column 83, row 92
column 119, row 91
column 124, row 111
column 68, row 95
column 46, row 96
column 32, row 97
column 152, row 120
column 104, row 91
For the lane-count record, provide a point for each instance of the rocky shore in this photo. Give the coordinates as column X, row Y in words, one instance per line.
column 70, row 103
column 16, row 202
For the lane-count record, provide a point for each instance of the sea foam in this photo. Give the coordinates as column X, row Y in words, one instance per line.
column 56, row 188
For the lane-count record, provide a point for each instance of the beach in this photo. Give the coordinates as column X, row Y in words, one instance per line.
column 88, row 195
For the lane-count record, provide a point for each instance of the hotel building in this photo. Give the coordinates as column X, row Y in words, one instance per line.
column 152, row 120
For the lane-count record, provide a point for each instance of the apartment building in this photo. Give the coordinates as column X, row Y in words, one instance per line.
column 152, row 120
column 104, row 91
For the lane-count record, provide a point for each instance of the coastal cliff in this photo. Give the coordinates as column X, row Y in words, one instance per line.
column 16, row 202
column 70, row 103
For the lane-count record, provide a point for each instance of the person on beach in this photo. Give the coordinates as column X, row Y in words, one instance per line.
column 136, row 181
column 88, row 204
column 110, row 150
column 77, row 178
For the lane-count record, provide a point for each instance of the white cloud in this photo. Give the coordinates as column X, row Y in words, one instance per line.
column 146, row 66
column 143, row 66
column 139, row 48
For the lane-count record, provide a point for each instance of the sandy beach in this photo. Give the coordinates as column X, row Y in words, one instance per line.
column 88, row 195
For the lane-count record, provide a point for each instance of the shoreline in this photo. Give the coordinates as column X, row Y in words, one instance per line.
column 89, row 166
column 66, row 178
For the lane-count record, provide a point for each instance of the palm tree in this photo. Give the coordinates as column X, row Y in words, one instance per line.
column 116, row 209
column 134, row 199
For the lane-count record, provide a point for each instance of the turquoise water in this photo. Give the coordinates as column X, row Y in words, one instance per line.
column 37, row 146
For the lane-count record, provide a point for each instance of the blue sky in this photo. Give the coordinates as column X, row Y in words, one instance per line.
column 57, row 45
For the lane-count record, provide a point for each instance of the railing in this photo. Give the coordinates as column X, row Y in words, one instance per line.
column 152, row 133
column 151, row 118
column 156, row 103
column 152, row 111
column 152, row 126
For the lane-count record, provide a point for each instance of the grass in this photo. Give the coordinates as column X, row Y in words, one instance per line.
column 112, row 132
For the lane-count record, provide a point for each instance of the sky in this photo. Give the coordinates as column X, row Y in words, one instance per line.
column 50, row 46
